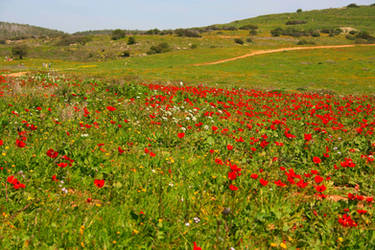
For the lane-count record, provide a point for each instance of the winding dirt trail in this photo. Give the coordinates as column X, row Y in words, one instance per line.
column 262, row 52
column 18, row 74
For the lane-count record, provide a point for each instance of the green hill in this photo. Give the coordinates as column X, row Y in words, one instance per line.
column 21, row 31
column 361, row 18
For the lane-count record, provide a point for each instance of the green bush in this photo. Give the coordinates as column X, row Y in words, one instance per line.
column 350, row 37
column 352, row 5
column 118, row 34
column 253, row 32
column 126, row 53
column 304, row 42
column 194, row 46
column 67, row 40
column 249, row 40
column 19, row 51
column 239, row 41
column 295, row 22
column 160, row 48
column 249, row 27
column 186, row 33
column 315, row 33
column 2, row 42
column 152, row 32
column 299, row 11
column 131, row 40
column 277, row 32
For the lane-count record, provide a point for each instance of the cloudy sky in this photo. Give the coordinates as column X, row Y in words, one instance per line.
column 79, row 15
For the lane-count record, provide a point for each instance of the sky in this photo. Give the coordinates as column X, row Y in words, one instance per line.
column 80, row 15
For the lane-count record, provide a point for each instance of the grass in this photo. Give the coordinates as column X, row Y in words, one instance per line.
column 120, row 165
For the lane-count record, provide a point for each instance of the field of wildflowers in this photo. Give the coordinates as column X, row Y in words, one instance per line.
column 88, row 164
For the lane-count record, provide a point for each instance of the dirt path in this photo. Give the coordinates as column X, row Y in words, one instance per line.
column 262, row 52
column 16, row 74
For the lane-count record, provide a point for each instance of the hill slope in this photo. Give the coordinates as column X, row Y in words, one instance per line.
column 14, row 30
column 362, row 18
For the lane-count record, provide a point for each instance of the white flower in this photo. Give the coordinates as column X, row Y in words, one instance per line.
column 187, row 224
column 84, row 135
column 196, row 220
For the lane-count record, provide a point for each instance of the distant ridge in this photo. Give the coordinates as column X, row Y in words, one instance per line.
column 22, row 31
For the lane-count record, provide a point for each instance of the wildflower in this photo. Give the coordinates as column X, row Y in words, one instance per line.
column 316, row 160
column 20, row 143
column 110, row 108
column 99, row 183
column 52, row 153
column 233, row 188
column 181, row 135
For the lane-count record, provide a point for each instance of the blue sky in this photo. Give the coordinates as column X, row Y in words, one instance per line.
column 79, row 15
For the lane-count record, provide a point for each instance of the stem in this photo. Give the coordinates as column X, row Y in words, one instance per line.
column 6, row 191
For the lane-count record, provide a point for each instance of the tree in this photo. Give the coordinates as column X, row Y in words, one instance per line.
column 19, row 51
column 118, row 34
column 299, row 10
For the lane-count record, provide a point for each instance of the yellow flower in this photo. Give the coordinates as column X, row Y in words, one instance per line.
column 273, row 245
column 283, row 245
column 340, row 239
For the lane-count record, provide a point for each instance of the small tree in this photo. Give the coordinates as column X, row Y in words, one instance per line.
column 352, row 5
column 131, row 40
column 118, row 34
column 19, row 51
column 299, row 10
column 238, row 40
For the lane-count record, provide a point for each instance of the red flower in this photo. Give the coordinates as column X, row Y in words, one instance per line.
column 321, row 188
column 196, row 247
column 62, row 164
column 254, row 176
column 360, row 211
column 233, row 187
column 232, row 175
column 308, row 137
column 52, row 153
column 20, row 143
column 1, row 143
column 11, row 179
column 181, row 135
column 110, row 108
column 316, row 160
column 120, row 150
column 54, row 178
column 318, row 179
column 263, row 182
column 229, row 147
column 99, row 183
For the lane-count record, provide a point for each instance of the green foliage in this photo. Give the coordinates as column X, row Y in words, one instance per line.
column 352, row 5
column 299, row 10
column 67, row 40
column 304, row 42
column 153, row 32
column 249, row 40
column 249, row 27
column 253, row 32
column 125, row 53
column 239, row 41
column 131, row 40
column 160, row 48
column 295, row 22
column 118, row 34
column 194, row 46
column 19, row 51
column 186, row 33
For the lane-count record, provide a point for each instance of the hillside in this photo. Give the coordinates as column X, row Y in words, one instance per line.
column 361, row 18
column 21, row 31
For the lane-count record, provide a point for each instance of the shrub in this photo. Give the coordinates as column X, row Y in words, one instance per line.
column 239, row 41
column 232, row 28
column 118, row 34
column 294, row 22
column 67, row 40
column 126, row 53
column 304, row 42
column 352, row 5
column 249, row 27
column 299, row 11
column 2, row 42
column 152, row 32
column 194, row 46
column 187, row 33
column 277, row 32
column 19, row 51
column 249, row 40
column 253, row 32
column 353, row 32
column 350, row 37
column 160, row 48
column 315, row 33
column 131, row 40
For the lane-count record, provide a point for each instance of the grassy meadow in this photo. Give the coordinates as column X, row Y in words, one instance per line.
column 149, row 151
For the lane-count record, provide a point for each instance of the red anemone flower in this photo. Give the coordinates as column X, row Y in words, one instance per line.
column 99, row 183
